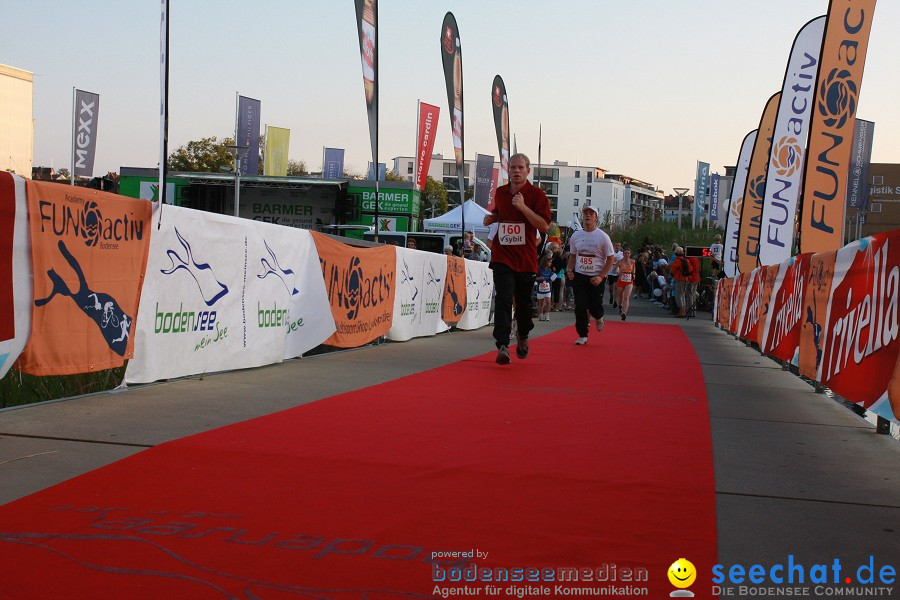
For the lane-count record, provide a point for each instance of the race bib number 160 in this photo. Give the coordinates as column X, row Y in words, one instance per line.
column 511, row 234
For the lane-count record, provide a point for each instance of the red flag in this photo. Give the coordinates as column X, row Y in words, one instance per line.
column 428, row 122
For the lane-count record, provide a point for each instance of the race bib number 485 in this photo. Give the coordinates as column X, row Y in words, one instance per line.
column 511, row 234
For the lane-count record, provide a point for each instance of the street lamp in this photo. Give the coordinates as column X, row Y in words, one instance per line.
column 680, row 192
column 239, row 152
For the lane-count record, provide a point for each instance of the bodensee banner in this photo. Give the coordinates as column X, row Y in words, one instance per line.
column 419, row 294
column 479, row 288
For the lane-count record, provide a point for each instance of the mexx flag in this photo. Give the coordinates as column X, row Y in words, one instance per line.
column 84, row 133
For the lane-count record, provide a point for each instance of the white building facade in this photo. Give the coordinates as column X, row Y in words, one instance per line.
column 16, row 121
column 620, row 200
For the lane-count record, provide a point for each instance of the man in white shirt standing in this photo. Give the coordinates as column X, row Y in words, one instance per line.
column 590, row 260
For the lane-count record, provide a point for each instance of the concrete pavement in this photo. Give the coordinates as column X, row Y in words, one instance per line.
column 796, row 472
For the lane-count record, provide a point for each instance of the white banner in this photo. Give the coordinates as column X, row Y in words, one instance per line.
column 789, row 141
column 219, row 295
column 733, row 223
column 479, row 289
column 419, row 294
column 16, row 291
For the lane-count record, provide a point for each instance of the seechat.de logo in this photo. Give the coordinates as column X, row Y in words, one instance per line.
column 682, row 575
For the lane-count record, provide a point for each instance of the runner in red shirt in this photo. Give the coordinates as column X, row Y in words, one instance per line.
column 520, row 209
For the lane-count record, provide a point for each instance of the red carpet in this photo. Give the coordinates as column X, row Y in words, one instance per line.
column 578, row 457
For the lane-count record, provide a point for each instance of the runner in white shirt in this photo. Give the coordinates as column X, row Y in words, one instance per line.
column 590, row 260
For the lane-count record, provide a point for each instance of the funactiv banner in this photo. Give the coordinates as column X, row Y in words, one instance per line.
column 735, row 203
column 754, row 190
column 246, row 134
column 84, row 133
column 781, row 331
column 419, row 295
column 428, row 122
column 278, row 143
column 89, row 253
column 785, row 171
column 479, row 288
column 838, row 86
column 454, row 302
column 360, row 283
column 500, row 107
column 15, row 270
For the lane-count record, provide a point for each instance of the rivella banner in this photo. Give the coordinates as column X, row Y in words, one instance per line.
column 735, row 202
column 838, row 86
column 791, row 134
column 89, row 253
column 361, row 284
column 419, row 295
column 428, row 122
column 859, row 342
column 15, row 270
column 479, row 289
column 225, row 293
column 84, row 133
column 755, row 189
column 781, row 332
column 500, row 107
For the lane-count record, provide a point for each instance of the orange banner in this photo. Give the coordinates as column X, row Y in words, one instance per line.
column 768, row 283
column 89, row 251
column 724, row 311
column 454, row 291
column 831, row 129
column 813, row 334
column 755, row 190
column 360, row 287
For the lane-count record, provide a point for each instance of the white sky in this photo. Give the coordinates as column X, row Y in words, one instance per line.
column 642, row 87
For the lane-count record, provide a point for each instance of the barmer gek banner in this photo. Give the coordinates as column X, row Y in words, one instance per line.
column 84, row 133
column 247, row 134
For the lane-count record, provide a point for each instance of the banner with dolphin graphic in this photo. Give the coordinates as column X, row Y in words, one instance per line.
column 479, row 289
column 419, row 293
column 221, row 294
column 89, row 252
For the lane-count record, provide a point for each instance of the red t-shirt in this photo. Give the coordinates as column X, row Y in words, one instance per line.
column 694, row 277
column 520, row 257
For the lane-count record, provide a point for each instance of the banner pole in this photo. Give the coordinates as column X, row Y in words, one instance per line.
column 74, row 117
column 416, row 146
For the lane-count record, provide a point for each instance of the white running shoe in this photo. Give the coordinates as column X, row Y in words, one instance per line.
column 581, row 341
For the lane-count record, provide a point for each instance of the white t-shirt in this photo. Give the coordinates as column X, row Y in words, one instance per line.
column 616, row 258
column 716, row 251
column 591, row 250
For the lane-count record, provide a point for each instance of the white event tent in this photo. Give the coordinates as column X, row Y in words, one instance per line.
column 449, row 222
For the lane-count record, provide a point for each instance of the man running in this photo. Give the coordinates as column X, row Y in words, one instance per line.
column 590, row 260
column 521, row 209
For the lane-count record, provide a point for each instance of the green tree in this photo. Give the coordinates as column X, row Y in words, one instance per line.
column 391, row 176
column 202, row 156
column 434, row 195
column 297, row 168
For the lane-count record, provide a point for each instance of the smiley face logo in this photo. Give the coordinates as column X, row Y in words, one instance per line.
column 682, row 573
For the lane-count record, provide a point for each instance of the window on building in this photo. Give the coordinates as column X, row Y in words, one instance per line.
column 590, row 177
column 553, row 202
column 588, row 191
column 577, row 174
column 551, row 189
column 545, row 174
column 409, row 168
column 877, row 180
column 577, row 187
column 575, row 202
